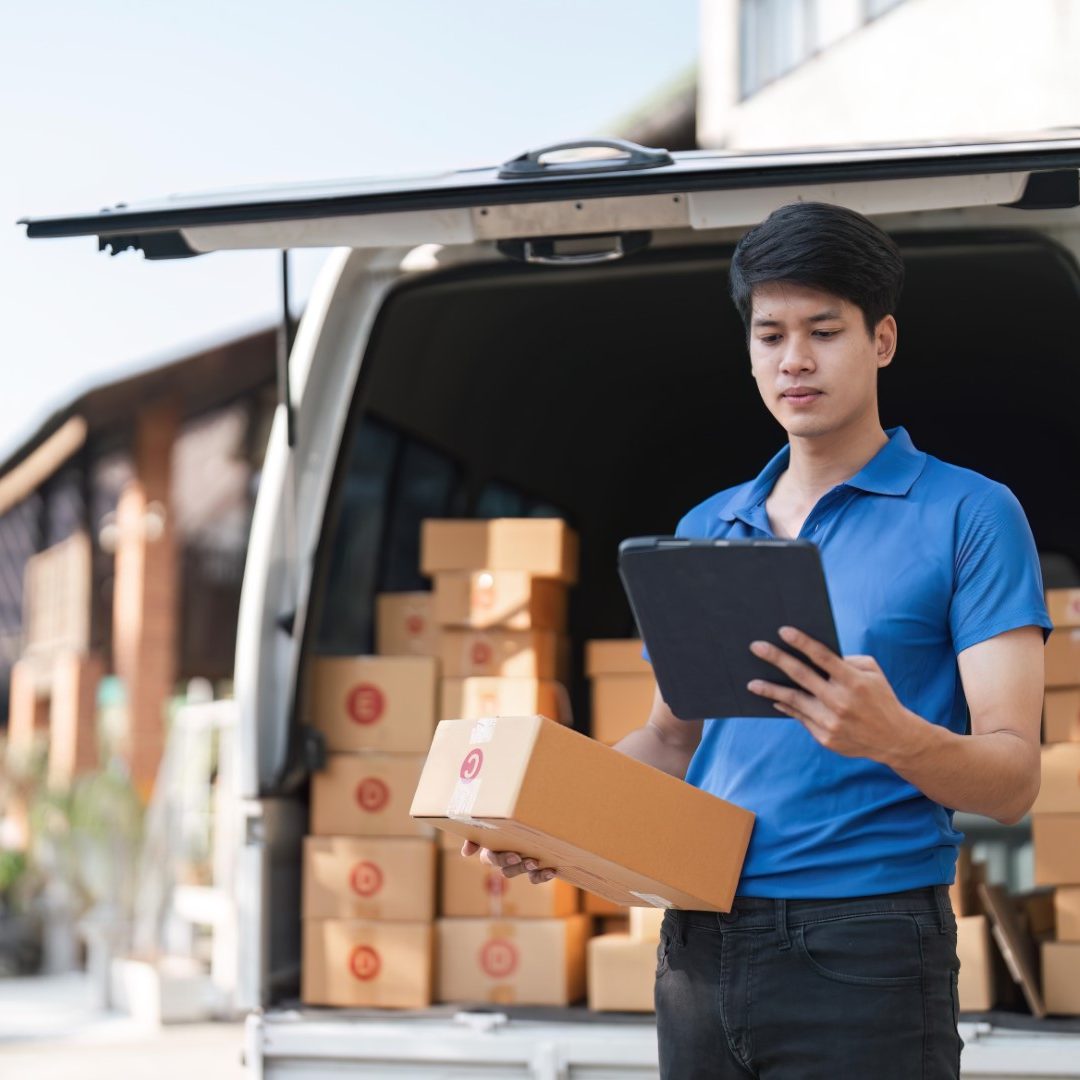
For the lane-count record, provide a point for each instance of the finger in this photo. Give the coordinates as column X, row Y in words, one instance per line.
column 501, row 859
column 793, row 667
column 829, row 662
column 788, row 697
column 514, row 871
column 863, row 663
column 538, row 877
column 469, row 848
column 817, row 732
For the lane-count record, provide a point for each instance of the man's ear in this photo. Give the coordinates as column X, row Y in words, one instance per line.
column 885, row 335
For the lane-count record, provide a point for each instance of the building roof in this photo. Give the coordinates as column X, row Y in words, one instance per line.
column 197, row 382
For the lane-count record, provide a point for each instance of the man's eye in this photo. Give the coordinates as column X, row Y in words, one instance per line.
column 769, row 339
column 826, row 333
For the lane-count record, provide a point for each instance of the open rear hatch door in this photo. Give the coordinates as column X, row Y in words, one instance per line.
column 588, row 187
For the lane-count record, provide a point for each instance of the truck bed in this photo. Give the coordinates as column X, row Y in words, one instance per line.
column 568, row 1044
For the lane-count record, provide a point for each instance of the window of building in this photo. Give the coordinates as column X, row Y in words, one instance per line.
column 775, row 37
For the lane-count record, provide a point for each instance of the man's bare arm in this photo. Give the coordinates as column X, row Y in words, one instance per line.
column 995, row 770
column 853, row 710
column 665, row 742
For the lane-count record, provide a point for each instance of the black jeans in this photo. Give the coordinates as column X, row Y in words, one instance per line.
column 811, row 990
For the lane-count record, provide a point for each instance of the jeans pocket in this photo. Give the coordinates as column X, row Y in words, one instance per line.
column 883, row 950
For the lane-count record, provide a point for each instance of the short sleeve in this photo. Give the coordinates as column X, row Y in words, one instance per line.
column 997, row 579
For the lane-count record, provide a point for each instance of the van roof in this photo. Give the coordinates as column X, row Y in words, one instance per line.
column 184, row 225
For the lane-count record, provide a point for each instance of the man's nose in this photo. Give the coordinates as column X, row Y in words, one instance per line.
column 797, row 357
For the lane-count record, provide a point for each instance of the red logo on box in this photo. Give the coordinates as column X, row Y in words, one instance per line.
column 414, row 624
column 366, row 879
column 364, row 963
column 481, row 653
column 372, row 794
column 499, row 958
column 495, row 884
column 474, row 759
column 365, row 703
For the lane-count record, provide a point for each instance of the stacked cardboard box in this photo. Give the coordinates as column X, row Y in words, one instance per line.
column 622, row 685
column 621, row 688
column 500, row 607
column 622, row 966
column 369, row 869
column 1056, row 813
column 976, row 985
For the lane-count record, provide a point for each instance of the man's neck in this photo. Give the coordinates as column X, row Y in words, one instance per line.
column 817, row 464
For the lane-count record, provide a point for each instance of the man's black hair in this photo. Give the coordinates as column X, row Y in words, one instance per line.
column 823, row 247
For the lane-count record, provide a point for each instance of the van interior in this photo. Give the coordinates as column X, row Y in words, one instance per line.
column 620, row 396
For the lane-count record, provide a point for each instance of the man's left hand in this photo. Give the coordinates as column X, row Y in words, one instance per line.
column 853, row 711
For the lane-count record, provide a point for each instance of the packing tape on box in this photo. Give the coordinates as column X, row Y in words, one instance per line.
column 483, row 730
column 652, row 899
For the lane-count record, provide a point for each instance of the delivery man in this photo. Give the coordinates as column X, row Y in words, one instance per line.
column 839, row 956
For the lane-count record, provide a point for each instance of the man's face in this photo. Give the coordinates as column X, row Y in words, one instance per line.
column 814, row 362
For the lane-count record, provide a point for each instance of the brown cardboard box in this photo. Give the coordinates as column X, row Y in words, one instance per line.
column 1060, row 790
column 471, row 889
column 645, row 923
column 622, row 973
column 976, row 983
column 366, row 795
column 615, row 656
column 1061, row 715
column 1063, row 606
column 1063, row 658
column 543, row 547
column 962, row 892
column 1036, row 911
column 523, row 654
column 620, row 704
column 1057, row 848
column 605, row 821
column 1067, row 913
column 510, row 598
column 512, row 961
column 1061, row 977
column 369, row 878
column 405, row 624
column 470, row 699
column 374, row 702
column 592, row 904
column 363, row 963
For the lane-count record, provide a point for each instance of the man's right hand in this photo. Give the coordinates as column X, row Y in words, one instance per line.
column 509, row 862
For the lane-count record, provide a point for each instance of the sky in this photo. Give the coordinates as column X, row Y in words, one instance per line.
column 103, row 101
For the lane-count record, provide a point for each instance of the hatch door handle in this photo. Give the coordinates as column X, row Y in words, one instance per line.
column 574, row 250
column 531, row 163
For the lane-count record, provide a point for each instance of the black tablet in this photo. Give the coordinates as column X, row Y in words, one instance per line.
column 699, row 604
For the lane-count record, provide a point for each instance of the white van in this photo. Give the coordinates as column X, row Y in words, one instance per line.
column 554, row 337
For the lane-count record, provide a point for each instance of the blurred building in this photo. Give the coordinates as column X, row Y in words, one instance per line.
column 794, row 73
column 123, row 532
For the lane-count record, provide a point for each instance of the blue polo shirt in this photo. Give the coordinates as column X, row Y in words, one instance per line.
column 922, row 560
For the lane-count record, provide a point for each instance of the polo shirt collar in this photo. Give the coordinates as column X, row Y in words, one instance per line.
column 891, row 471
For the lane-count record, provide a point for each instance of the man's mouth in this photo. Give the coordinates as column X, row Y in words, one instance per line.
column 800, row 395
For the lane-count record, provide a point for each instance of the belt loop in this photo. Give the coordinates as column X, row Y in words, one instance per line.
column 781, row 924
column 941, row 895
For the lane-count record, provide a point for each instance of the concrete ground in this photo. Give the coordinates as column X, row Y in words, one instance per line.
column 51, row 1029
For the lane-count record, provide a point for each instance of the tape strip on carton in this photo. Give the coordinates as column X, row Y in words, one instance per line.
column 483, row 730
column 652, row 899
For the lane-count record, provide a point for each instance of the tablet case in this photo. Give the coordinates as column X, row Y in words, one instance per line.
column 699, row 604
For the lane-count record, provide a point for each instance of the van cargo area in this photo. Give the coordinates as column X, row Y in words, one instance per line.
column 617, row 398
